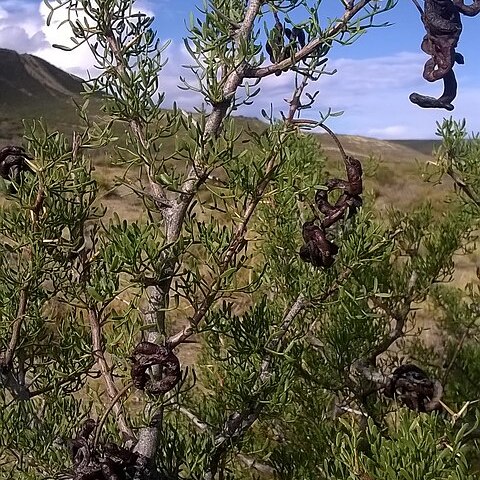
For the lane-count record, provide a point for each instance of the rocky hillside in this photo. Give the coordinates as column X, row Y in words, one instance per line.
column 31, row 88
column 27, row 81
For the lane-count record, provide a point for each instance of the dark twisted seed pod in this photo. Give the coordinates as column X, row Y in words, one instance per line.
column 107, row 462
column 412, row 387
column 278, row 49
column 146, row 355
column 443, row 27
column 13, row 162
column 317, row 250
column 349, row 202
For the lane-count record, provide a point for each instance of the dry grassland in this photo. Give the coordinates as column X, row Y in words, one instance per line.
column 393, row 178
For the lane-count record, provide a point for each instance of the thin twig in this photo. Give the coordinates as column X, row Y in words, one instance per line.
column 399, row 316
column 254, row 464
column 248, row 461
column 201, row 425
column 6, row 360
column 55, row 386
column 102, row 420
column 315, row 123
column 295, row 102
column 419, row 8
column 239, row 422
column 464, row 187
column 336, row 140
column 23, row 297
column 105, row 369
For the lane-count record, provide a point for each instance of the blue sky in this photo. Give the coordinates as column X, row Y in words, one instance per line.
column 375, row 75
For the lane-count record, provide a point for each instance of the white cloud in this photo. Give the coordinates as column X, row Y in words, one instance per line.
column 23, row 28
column 16, row 38
column 392, row 131
column 20, row 27
column 78, row 61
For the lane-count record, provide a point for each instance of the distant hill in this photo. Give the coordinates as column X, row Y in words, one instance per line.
column 393, row 151
column 423, row 146
column 31, row 88
column 27, row 82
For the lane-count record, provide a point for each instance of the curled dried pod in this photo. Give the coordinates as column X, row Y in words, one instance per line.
column 116, row 461
column 80, row 449
column 443, row 26
column 350, row 200
column 13, row 162
column 354, row 184
column 411, row 386
column 107, row 462
column 445, row 100
column 146, row 355
column 354, row 176
column 317, row 250
column 322, row 202
column 275, row 45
